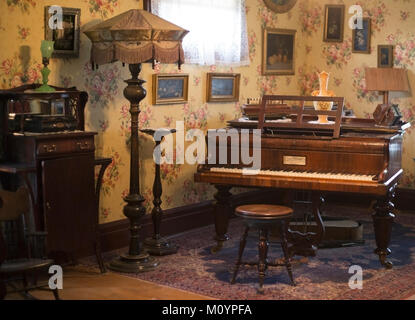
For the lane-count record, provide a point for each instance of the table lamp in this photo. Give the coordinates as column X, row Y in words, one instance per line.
column 385, row 80
column 46, row 48
column 134, row 37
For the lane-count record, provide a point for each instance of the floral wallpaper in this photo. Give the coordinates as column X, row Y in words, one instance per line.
column 21, row 26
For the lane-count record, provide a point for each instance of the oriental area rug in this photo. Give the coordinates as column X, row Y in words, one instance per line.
column 325, row 276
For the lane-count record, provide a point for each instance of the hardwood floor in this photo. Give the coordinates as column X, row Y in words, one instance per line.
column 80, row 285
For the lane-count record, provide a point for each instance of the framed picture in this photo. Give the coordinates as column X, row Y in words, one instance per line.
column 170, row 88
column 361, row 38
column 385, row 56
column 280, row 6
column 278, row 52
column 333, row 23
column 67, row 38
column 223, row 87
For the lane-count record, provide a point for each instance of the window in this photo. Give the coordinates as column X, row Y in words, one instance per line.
column 217, row 29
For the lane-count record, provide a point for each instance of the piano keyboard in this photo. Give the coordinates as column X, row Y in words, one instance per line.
column 299, row 174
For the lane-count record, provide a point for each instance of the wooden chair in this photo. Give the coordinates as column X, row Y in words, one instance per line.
column 264, row 217
column 22, row 251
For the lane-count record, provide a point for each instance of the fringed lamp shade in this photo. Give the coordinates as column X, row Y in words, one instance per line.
column 136, row 36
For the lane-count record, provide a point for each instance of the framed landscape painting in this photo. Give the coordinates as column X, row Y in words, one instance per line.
column 278, row 52
column 334, row 23
column 223, row 87
column 361, row 38
column 170, row 88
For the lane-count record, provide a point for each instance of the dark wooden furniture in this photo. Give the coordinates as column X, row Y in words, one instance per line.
column 364, row 159
column 62, row 181
column 157, row 245
column 22, row 248
column 264, row 218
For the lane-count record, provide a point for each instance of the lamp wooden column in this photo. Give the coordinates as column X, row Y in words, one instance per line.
column 134, row 37
column 385, row 80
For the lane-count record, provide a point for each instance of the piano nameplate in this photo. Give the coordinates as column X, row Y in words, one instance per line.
column 294, row 161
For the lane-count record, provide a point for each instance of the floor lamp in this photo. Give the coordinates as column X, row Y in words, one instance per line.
column 135, row 37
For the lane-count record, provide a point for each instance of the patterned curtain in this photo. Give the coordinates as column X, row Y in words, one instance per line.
column 218, row 32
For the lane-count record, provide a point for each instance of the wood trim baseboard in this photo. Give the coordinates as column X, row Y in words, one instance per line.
column 115, row 235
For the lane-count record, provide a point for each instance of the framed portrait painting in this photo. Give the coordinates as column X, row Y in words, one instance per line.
column 385, row 56
column 170, row 88
column 361, row 37
column 67, row 38
column 278, row 52
column 333, row 23
column 223, row 87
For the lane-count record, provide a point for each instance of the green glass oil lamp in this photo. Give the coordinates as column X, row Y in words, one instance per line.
column 46, row 48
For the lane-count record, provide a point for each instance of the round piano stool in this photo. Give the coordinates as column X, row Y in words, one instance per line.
column 264, row 217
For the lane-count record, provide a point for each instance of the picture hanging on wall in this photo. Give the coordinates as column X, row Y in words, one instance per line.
column 361, row 38
column 66, row 38
column 223, row 87
column 334, row 23
column 170, row 88
column 280, row 6
column 385, row 56
column 278, row 52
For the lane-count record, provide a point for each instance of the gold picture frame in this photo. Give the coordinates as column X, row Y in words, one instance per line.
column 223, row 87
column 361, row 38
column 280, row 6
column 170, row 88
column 385, row 56
column 333, row 23
column 278, row 51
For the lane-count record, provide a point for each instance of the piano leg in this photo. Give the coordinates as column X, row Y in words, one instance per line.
column 221, row 213
column 382, row 221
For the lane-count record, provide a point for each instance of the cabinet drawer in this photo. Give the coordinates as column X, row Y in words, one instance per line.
column 52, row 147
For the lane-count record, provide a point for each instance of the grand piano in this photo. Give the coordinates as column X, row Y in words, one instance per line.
column 344, row 154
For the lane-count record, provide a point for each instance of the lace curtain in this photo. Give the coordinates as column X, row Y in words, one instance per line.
column 218, row 32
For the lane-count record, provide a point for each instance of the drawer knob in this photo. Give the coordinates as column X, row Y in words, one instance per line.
column 49, row 148
column 83, row 145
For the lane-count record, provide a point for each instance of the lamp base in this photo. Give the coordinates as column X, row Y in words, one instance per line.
column 159, row 247
column 133, row 263
column 45, row 88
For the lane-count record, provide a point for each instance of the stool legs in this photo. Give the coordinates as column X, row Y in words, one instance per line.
column 262, row 253
column 242, row 244
column 284, row 246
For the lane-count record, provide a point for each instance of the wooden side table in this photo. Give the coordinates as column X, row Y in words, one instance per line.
column 157, row 245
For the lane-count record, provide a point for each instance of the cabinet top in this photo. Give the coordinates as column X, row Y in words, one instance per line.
column 27, row 92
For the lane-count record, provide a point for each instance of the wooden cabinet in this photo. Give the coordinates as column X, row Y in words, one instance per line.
column 64, row 187
column 62, row 176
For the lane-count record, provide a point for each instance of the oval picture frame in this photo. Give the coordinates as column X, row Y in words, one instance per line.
column 280, row 8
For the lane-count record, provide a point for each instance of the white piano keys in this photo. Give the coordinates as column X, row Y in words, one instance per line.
column 299, row 174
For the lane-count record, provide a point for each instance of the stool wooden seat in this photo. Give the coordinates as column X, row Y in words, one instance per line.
column 264, row 217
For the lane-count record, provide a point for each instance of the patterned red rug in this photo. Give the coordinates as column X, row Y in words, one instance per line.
column 325, row 276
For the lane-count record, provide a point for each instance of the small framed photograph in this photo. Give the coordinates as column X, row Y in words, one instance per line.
column 385, row 56
column 278, row 52
column 223, row 87
column 361, row 38
column 67, row 38
column 170, row 88
column 57, row 107
column 333, row 23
